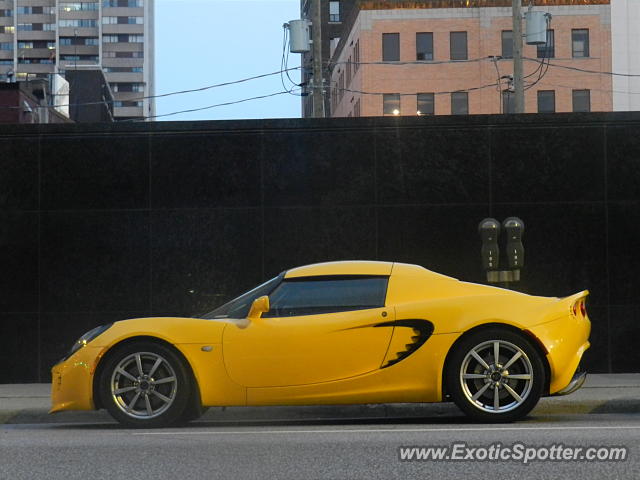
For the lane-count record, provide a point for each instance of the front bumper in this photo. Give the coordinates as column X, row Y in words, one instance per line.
column 72, row 381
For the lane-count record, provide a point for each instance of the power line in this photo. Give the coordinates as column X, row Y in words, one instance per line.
column 584, row 70
column 179, row 92
column 539, row 69
column 416, row 62
column 208, row 107
column 573, row 87
column 460, row 90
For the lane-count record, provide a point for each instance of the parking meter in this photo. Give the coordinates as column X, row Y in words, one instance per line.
column 489, row 230
column 514, row 229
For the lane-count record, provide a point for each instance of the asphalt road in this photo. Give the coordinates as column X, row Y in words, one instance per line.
column 361, row 448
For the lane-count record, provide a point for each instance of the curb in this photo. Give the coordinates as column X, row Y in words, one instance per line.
column 325, row 414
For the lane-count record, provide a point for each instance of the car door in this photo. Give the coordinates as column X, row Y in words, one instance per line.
column 318, row 329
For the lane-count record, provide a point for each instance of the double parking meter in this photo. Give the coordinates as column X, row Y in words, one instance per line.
column 512, row 229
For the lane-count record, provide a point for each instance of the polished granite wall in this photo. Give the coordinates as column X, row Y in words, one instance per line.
column 106, row 222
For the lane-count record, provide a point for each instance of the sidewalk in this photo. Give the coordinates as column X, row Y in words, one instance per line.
column 602, row 393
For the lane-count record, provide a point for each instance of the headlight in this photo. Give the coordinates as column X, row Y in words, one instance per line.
column 86, row 338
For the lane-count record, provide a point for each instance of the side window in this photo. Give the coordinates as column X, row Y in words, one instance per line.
column 315, row 295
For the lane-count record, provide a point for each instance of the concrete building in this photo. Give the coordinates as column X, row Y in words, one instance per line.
column 41, row 37
column 445, row 57
column 625, row 44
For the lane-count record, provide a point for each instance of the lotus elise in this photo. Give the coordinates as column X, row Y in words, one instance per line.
column 350, row 332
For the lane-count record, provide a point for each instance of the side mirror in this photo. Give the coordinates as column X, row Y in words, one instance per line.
column 259, row 306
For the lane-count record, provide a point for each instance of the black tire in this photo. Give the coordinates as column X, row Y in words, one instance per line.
column 156, row 397
column 194, row 409
column 474, row 384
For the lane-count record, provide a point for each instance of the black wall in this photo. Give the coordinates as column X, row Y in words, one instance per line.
column 106, row 222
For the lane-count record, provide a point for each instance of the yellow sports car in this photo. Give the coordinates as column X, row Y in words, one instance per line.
column 335, row 333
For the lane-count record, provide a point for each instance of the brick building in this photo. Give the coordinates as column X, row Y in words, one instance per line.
column 446, row 56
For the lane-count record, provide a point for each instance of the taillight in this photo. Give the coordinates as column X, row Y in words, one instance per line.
column 579, row 306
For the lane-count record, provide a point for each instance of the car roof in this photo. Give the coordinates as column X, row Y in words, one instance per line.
column 362, row 267
column 346, row 267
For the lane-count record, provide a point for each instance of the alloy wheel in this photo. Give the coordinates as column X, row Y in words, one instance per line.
column 143, row 385
column 496, row 376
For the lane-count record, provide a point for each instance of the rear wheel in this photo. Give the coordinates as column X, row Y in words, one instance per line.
column 495, row 375
column 145, row 384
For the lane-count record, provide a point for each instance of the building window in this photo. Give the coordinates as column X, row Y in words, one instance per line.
column 459, row 103
column 7, row 29
column 6, row 45
column 390, row 47
column 508, row 102
column 36, row 10
column 35, row 60
column 391, row 104
column 424, row 46
column 123, row 3
column 5, row 12
column 123, row 54
column 122, row 20
column 92, row 41
column 334, row 11
column 79, row 58
column 548, row 50
column 82, row 23
column 458, row 45
column 120, row 38
column 507, row 44
column 356, row 56
column 77, row 6
column 580, row 43
column 126, row 103
column 581, row 100
column 426, row 104
column 546, row 101
column 127, row 87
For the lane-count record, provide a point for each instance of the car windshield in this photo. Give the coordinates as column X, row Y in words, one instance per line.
column 239, row 307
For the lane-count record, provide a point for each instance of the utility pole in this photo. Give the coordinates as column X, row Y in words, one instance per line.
column 318, row 83
column 518, row 80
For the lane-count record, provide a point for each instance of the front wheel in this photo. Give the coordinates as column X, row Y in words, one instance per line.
column 495, row 375
column 145, row 384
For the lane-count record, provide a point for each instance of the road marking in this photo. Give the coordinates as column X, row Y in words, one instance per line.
column 392, row 430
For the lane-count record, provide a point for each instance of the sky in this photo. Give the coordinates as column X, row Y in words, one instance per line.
column 206, row 42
